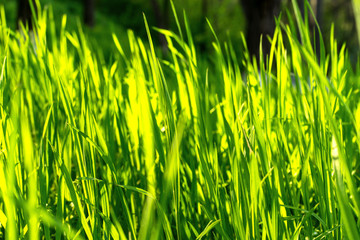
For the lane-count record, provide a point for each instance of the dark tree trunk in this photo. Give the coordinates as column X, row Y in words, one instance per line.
column 89, row 12
column 162, row 19
column 319, row 9
column 24, row 14
column 260, row 18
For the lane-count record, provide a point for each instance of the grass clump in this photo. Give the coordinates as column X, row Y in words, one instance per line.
column 176, row 148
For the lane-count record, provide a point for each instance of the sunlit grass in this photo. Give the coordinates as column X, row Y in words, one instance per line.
column 176, row 148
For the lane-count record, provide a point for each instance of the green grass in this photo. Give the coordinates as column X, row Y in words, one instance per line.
column 99, row 34
column 177, row 148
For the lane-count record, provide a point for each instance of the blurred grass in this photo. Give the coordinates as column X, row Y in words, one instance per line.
column 118, row 16
column 142, row 147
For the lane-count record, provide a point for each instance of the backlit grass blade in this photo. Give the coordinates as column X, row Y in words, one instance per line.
column 73, row 194
column 207, row 229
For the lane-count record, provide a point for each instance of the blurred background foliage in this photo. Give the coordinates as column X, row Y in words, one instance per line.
column 228, row 18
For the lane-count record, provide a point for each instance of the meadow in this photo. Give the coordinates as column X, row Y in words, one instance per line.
column 177, row 147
